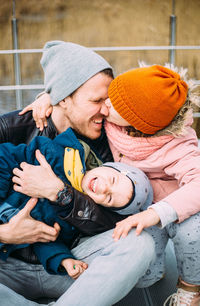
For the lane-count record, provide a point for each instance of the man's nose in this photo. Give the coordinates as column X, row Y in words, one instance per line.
column 104, row 110
column 108, row 103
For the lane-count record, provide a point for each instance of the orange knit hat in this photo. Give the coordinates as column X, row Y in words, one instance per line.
column 148, row 98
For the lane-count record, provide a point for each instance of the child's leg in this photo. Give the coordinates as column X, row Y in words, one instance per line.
column 156, row 269
column 186, row 239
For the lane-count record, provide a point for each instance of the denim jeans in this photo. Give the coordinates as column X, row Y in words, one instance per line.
column 114, row 269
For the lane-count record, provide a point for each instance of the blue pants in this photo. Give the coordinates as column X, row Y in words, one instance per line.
column 114, row 269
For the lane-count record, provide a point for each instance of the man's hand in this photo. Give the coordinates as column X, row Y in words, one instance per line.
column 74, row 267
column 141, row 220
column 37, row 181
column 41, row 109
column 22, row 228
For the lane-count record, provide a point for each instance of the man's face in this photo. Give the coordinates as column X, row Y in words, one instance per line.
column 86, row 108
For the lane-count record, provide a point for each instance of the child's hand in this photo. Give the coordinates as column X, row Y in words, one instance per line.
column 140, row 221
column 74, row 267
column 41, row 109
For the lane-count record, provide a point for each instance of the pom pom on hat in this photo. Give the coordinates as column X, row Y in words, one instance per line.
column 143, row 192
column 149, row 97
column 67, row 66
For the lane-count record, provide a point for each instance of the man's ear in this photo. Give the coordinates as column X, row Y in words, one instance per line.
column 64, row 102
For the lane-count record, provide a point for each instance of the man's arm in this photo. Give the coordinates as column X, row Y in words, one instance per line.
column 22, row 228
column 37, row 181
column 40, row 181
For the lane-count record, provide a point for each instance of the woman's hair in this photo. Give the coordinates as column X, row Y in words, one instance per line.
column 177, row 127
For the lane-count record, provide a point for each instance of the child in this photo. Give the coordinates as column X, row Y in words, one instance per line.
column 105, row 185
column 151, row 115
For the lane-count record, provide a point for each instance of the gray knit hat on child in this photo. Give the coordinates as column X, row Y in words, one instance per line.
column 143, row 192
column 67, row 66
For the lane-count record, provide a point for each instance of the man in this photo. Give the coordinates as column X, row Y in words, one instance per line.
column 82, row 79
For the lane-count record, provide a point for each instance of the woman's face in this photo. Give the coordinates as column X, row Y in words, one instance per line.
column 113, row 116
column 107, row 186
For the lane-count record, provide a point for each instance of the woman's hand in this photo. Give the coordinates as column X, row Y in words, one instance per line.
column 41, row 109
column 141, row 220
column 74, row 267
column 37, row 181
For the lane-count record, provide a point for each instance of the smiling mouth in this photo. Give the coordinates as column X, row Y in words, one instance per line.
column 93, row 185
column 98, row 121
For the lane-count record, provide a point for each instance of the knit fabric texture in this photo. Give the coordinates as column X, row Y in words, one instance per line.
column 67, row 66
column 134, row 148
column 148, row 98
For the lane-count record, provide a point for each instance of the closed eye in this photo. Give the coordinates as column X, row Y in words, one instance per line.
column 97, row 100
column 109, row 198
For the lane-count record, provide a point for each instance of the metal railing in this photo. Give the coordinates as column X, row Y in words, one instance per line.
column 16, row 51
column 18, row 87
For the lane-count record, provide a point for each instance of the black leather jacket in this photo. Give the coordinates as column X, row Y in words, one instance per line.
column 86, row 216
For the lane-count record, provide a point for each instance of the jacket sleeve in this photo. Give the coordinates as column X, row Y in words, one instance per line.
column 10, row 156
column 51, row 254
column 7, row 211
column 87, row 216
column 186, row 170
column 17, row 129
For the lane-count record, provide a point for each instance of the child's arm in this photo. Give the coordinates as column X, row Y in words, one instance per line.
column 41, row 109
column 51, row 255
column 184, row 167
column 141, row 220
column 74, row 267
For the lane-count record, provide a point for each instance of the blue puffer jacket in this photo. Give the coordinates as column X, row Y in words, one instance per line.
column 49, row 254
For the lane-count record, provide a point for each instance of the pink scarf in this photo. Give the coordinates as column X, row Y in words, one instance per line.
column 135, row 148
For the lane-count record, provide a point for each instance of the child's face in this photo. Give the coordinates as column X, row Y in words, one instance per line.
column 113, row 116
column 107, row 186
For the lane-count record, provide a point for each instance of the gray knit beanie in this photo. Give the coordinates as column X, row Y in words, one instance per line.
column 67, row 66
column 143, row 192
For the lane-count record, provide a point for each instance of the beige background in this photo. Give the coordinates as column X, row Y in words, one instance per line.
column 97, row 23
column 102, row 23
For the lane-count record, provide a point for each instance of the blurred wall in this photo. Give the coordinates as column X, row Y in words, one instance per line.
column 97, row 23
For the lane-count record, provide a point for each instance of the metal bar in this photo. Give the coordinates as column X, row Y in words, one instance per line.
column 140, row 48
column 22, row 87
column 16, row 59
column 128, row 48
column 173, row 7
column 21, row 51
column 172, row 52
